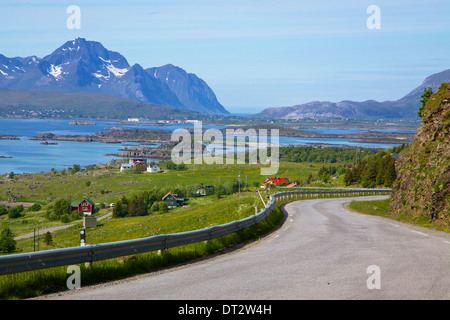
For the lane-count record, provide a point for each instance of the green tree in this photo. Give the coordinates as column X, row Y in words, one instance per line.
column 76, row 168
column 427, row 93
column 3, row 210
column 137, row 207
column 160, row 206
column 348, row 177
column 369, row 175
column 7, row 242
column 163, row 207
column 61, row 207
column 35, row 207
column 48, row 239
column 120, row 209
column 16, row 212
column 390, row 173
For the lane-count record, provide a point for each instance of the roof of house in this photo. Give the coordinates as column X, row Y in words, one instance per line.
column 168, row 194
column 89, row 201
column 278, row 180
column 291, row 185
column 76, row 204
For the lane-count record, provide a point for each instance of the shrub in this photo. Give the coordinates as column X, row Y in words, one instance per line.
column 16, row 212
column 48, row 239
column 3, row 210
column 35, row 207
column 7, row 242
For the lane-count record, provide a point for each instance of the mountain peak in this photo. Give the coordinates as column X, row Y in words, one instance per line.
column 85, row 65
column 192, row 91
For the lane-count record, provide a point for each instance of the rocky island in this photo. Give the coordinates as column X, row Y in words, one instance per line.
column 82, row 123
column 6, row 137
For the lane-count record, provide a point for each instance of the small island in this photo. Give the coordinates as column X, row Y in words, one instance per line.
column 82, row 123
column 7, row 137
column 49, row 143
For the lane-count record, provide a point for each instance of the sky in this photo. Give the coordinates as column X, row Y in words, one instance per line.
column 254, row 54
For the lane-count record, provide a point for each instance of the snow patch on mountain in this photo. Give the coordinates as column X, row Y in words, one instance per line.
column 55, row 71
column 118, row 72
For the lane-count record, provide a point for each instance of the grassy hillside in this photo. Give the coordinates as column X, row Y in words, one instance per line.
column 422, row 188
column 83, row 105
column 109, row 185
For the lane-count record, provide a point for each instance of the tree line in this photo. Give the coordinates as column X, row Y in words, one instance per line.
column 324, row 155
column 367, row 167
column 372, row 172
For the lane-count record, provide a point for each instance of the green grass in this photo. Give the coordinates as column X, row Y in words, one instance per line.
column 376, row 207
column 381, row 208
column 203, row 212
column 108, row 186
column 39, row 282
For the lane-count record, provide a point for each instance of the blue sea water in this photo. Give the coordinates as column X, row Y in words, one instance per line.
column 29, row 156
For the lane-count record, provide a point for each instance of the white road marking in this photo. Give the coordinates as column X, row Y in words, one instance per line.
column 421, row 233
column 393, row 224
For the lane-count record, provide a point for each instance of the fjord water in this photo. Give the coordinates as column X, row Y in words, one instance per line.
column 29, row 156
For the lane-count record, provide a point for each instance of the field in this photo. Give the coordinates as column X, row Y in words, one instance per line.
column 109, row 185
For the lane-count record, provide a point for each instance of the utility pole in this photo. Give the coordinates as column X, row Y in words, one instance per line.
column 239, row 176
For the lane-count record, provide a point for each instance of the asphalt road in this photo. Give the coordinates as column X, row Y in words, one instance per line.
column 322, row 251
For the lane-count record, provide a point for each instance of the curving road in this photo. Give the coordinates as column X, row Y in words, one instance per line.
column 322, row 251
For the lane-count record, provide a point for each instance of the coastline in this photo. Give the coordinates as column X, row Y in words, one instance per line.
column 35, row 149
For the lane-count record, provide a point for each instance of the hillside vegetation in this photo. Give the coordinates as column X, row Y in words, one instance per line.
column 83, row 105
column 422, row 188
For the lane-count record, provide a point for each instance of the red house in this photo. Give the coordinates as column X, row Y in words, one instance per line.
column 85, row 207
column 275, row 181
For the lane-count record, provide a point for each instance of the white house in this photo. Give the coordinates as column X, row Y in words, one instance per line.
column 153, row 168
column 126, row 166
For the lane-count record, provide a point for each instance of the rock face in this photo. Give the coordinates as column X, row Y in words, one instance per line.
column 422, row 188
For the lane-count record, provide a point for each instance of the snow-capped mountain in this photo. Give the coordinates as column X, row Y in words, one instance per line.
column 11, row 69
column 81, row 65
column 192, row 91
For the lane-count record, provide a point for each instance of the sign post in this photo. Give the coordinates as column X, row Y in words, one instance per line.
column 83, row 237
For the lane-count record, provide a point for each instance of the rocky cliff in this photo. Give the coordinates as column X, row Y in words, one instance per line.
column 422, row 188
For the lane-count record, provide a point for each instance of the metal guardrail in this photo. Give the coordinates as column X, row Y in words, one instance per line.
column 96, row 252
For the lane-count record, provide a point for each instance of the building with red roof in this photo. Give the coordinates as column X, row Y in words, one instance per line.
column 275, row 181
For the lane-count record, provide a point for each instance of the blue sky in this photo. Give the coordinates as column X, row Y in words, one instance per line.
column 254, row 53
